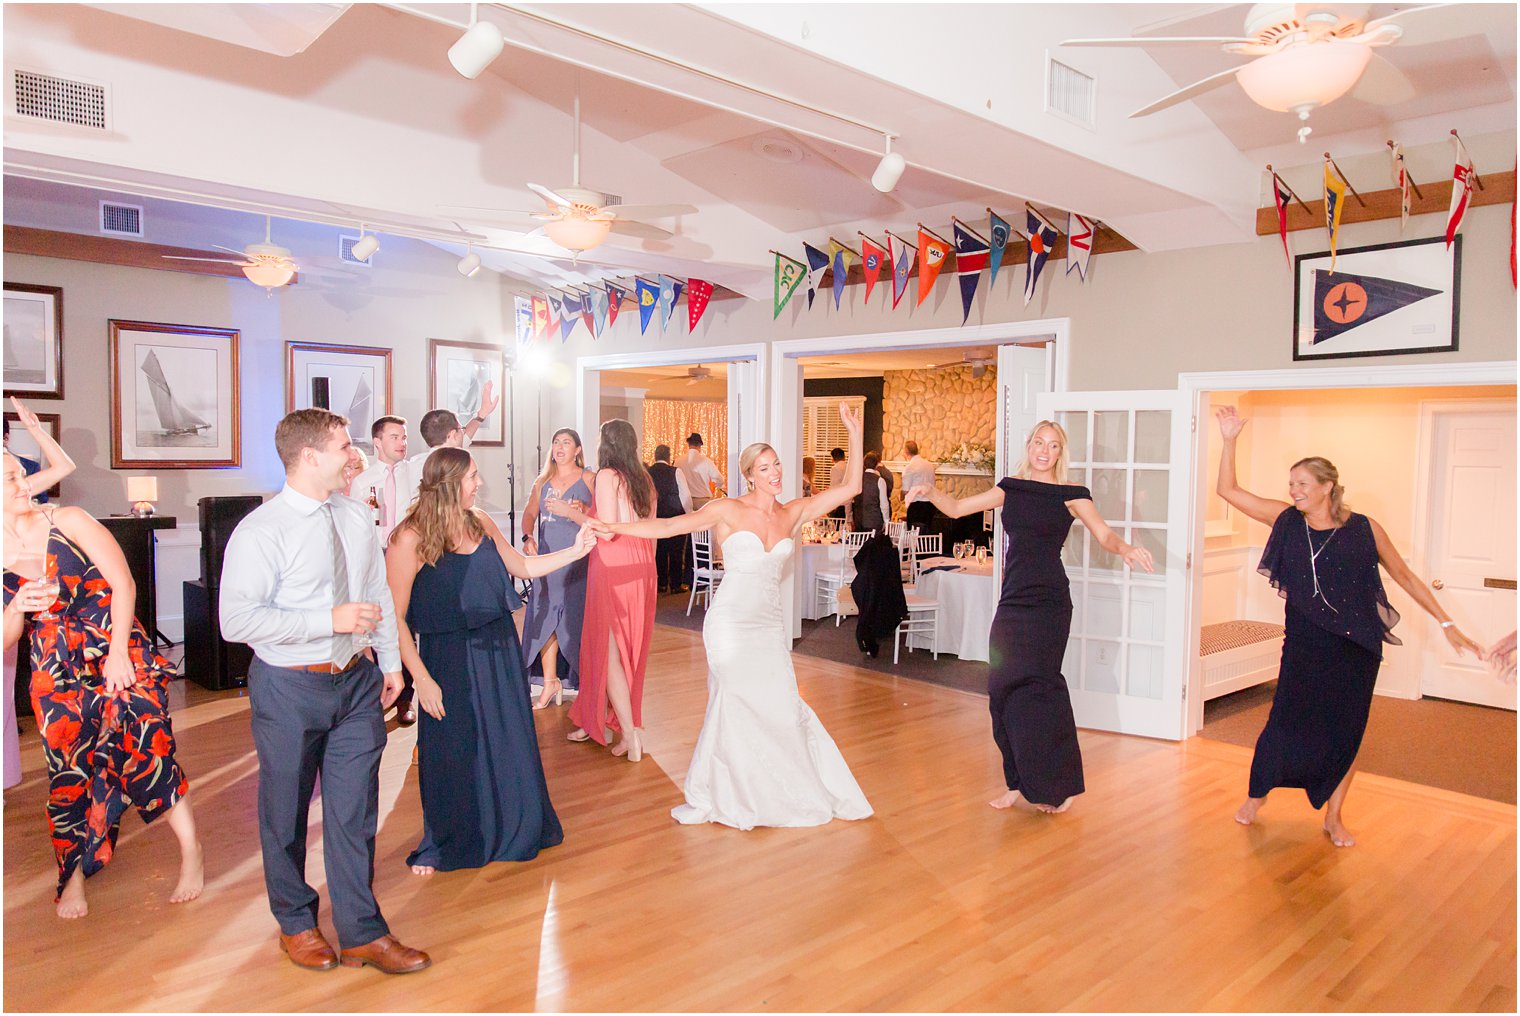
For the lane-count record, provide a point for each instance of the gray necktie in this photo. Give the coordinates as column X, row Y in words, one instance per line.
column 342, row 643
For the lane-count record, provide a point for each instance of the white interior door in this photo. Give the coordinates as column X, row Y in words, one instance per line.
column 1125, row 660
column 1024, row 373
column 744, row 411
column 1470, row 541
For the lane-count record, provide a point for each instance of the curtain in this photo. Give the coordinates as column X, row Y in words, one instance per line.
column 669, row 421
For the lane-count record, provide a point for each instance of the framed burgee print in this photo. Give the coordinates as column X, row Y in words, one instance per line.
column 460, row 372
column 174, row 396
column 1384, row 300
column 354, row 381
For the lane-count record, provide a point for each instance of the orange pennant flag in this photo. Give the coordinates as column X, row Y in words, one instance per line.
column 931, row 256
column 540, row 316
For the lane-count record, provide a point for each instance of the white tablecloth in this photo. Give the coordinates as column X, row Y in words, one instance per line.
column 967, row 601
column 811, row 559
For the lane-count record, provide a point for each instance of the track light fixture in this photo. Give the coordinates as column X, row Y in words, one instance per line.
column 364, row 247
column 469, row 264
column 477, row 47
column 889, row 170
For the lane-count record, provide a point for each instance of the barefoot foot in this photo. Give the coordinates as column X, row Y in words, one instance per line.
column 71, row 903
column 1007, row 800
column 1247, row 813
column 192, row 876
column 1338, row 833
column 422, row 869
column 1058, row 808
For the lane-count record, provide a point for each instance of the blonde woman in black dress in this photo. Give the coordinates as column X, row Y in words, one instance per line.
column 1032, row 720
column 1323, row 560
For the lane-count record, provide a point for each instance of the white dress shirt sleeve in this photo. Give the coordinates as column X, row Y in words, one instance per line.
column 250, row 578
column 886, row 505
column 377, row 590
column 683, row 489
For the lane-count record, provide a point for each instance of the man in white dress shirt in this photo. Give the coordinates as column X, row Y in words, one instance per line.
column 440, row 428
column 837, row 478
column 303, row 576
column 702, row 475
column 390, row 476
column 918, row 473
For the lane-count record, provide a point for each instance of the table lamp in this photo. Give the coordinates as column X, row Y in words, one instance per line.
column 142, row 491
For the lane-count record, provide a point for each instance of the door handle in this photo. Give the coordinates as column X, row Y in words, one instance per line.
column 1437, row 584
column 1498, row 583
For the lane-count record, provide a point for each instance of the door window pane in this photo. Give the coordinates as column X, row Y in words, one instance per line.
column 1147, row 611
column 1151, row 490
column 1075, row 425
column 1144, row 675
column 1153, row 435
column 1104, row 607
column 1153, row 540
column 1077, row 476
column 1101, row 666
column 1101, row 560
column 1110, row 495
column 1071, row 551
column 1111, row 436
column 1078, row 608
column 1071, row 664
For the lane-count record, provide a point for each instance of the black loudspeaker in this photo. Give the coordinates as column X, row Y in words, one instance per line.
column 210, row 660
column 219, row 517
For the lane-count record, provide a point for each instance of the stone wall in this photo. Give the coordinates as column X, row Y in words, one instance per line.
column 939, row 409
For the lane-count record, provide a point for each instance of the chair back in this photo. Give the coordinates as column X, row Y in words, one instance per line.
column 928, row 546
column 829, row 523
column 701, row 549
column 855, row 539
column 895, row 531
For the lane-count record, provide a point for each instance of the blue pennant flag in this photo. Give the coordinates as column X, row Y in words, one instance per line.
column 557, row 314
column 574, row 307
column 970, row 259
column 817, row 261
column 1042, row 240
column 646, row 294
column 667, row 299
column 903, row 255
column 598, row 297
column 1001, row 234
column 1344, row 301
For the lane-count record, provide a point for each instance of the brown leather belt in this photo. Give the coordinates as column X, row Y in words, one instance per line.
column 328, row 668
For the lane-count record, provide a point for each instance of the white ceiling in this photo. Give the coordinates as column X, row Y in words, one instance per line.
column 763, row 116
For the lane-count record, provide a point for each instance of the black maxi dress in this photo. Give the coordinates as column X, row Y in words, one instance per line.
column 484, row 797
column 1331, row 653
column 1032, row 720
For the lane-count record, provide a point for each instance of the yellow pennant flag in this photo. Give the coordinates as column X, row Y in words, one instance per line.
column 1335, row 197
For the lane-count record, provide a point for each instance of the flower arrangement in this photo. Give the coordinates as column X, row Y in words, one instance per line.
column 972, row 456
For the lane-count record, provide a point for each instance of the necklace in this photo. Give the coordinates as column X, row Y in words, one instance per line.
column 1314, row 557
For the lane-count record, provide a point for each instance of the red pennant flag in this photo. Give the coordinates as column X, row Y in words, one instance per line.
column 615, row 296
column 1461, row 190
column 931, row 257
column 1280, row 195
column 697, row 295
column 872, row 258
column 540, row 316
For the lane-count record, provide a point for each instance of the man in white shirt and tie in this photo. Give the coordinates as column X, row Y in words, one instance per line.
column 303, row 578
column 390, row 476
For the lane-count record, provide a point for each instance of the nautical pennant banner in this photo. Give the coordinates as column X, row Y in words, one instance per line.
column 556, row 310
column 573, row 306
column 588, row 315
column 646, row 295
column 667, row 300
column 1343, row 302
column 871, row 258
column 817, row 261
column 698, row 293
column 599, row 305
column 1335, row 199
column 840, row 257
column 1080, row 231
column 931, row 258
column 1001, row 234
column 1401, row 181
column 1461, row 192
column 540, row 316
column 971, row 254
column 523, row 308
column 615, row 297
column 902, row 265
column 789, row 276
column 1042, row 238
column 1281, row 195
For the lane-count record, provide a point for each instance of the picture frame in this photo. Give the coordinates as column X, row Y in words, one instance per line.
column 1388, row 299
column 354, row 381
column 33, row 321
column 457, row 373
column 174, row 396
column 22, row 445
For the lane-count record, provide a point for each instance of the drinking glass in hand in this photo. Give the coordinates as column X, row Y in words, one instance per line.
column 48, row 586
column 365, row 639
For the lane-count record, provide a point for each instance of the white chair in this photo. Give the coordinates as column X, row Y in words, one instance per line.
column 705, row 572
column 923, row 619
column 905, row 554
column 829, row 523
column 987, row 521
column 895, row 531
column 926, row 546
column 830, row 581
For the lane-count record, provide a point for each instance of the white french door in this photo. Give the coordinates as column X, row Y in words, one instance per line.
column 1126, row 659
column 1024, row 373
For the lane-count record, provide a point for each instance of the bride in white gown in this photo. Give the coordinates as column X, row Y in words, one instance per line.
column 763, row 757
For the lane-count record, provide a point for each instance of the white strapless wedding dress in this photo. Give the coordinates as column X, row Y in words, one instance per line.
column 763, row 757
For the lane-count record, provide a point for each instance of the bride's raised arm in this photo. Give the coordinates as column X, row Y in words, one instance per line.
column 708, row 516
column 819, row 505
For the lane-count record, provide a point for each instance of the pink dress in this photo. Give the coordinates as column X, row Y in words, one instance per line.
column 620, row 598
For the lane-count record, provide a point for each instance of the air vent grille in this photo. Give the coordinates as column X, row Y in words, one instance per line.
column 61, row 100
column 121, row 220
column 346, row 252
column 1069, row 93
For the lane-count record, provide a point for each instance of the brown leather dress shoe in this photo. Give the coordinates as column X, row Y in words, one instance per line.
column 309, row 949
column 388, row 956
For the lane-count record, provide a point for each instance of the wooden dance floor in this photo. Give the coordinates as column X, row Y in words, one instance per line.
column 1146, row 896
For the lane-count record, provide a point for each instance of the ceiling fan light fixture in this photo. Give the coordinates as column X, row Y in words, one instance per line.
column 889, row 170
column 477, row 47
column 1304, row 77
column 577, row 234
column 269, row 275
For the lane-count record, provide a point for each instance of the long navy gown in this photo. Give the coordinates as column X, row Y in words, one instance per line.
column 1032, row 721
column 1337, row 620
column 484, row 797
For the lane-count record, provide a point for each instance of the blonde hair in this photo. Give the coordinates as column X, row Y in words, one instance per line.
column 1324, row 471
column 1058, row 468
column 438, row 517
column 749, row 455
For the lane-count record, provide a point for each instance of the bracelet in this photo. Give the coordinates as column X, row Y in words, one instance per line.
column 1448, row 624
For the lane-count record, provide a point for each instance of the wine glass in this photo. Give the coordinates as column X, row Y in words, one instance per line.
column 364, row 639
column 47, row 584
column 959, row 550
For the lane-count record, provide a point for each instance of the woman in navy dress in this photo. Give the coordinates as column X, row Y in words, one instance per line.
column 1323, row 560
column 484, row 797
column 557, row 604
column 1032, row 721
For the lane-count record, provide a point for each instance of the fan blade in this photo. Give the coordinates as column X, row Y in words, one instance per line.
column 1209, row 83
column 231, row 250
column 548, row 195
column 1396, row 16
column 494, row 211
column 1383, row 84
column 1158, row 41
column 215, row 261
column 642, row 230
column 650, row 211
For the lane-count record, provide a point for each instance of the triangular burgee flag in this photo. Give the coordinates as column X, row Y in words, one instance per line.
column 599, row 305
column 931, row 258
column 615, row 296
column 587, row 314
column 789, row 275
column 1343, row 302
column 1001, row 234
column 667, row 300
column 1461, row 193
column 1401, row 181
column 556, row 314
column 647, row 295
column 1042, row 239
column 1335, row 199
column 817, row 261
column 572, row 308
column 523, row 308
column 971, row 254
column 1080, row 231
column 1281, row 195
column 871, row 258
column 902, row 266
column 698, row 293
column 540, row 316
column 840, row 257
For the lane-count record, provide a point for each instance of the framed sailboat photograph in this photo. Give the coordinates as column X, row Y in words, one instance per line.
column 174, row 396
column 354, row 381
column 461, row 372
column 33, row 340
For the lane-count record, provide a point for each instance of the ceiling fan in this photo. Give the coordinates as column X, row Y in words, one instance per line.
column 697, row 374
column 576, row 219
column 266, row 264
column 978, row 364
column 1306, row 55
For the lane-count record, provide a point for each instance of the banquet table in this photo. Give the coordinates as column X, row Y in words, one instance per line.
column 967, row 600
column 812, row 559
